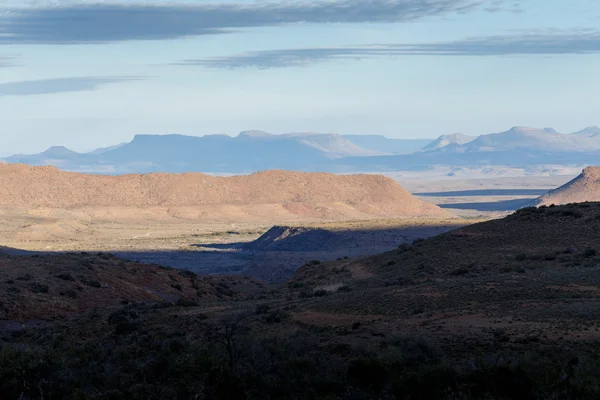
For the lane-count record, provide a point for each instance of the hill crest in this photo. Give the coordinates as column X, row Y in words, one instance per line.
column 584, row 188
column 320, row 195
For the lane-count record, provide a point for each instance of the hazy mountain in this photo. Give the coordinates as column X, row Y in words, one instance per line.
column 106, row 149
column 446, row 140
column 538, row 140
column 334, row 145
column 382, row 144
column 253, row 151
column 249, row 152
column 519, row 146
column 59, row 156
column 590, row 131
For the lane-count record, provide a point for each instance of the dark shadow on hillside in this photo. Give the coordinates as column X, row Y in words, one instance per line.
column 280, row 252
column 486, row 192
column 503, row 205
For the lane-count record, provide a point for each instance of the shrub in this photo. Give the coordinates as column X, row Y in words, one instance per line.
column 368, row 372
column 39, row 288
column 320, row 293
column 590, row 253
column 262, row 309
column 460, row 271
column 70, row 293
column 276, row 316
column 92, row 283
column 186, row 303
column 521, row 257
column 65, row 277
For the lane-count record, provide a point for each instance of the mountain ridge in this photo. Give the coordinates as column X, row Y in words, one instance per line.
column 306, row 195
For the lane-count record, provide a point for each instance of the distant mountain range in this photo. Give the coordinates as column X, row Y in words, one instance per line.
column 253, row 151
column 386, row 145
column 448, row 140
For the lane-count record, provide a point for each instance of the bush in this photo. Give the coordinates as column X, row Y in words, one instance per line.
column 275, row 317
column 320, row 293
column 521, row 257
column 368, row 373
column 187, row 303
column 65, row 277
column 70, row 293
column 590, row 253
column 460, row 271
column 39, row 288
column 92, row 283
column 262, row 309
column 177, row 286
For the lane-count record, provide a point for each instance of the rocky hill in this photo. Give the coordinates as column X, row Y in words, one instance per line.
column 584, row 188
column 308, row 195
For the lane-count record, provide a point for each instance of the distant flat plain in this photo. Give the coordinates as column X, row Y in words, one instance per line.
column 484, row 197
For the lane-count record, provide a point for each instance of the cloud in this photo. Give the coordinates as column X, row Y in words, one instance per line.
column 6, row 62
column 69, row 22
column 60, row 85
column 540, row 43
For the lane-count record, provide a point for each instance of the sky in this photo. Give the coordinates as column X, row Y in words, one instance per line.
column 89, row 74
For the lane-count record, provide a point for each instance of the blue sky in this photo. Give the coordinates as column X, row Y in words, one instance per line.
column 87, row 74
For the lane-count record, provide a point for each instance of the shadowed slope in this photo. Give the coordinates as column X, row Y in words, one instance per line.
column 48, row 286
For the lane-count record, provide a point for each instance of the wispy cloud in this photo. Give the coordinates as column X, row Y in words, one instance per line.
column 71, row 22
column 6, row 62
column 60, row 85
column 536, row 43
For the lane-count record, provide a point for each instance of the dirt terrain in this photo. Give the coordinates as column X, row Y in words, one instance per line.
column 585, row 187
column 483, row 197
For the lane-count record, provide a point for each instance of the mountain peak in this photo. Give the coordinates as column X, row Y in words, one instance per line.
column 590, row 130
column 523, row 129
column 58, row 151
column 447, row 140
column 255, row 134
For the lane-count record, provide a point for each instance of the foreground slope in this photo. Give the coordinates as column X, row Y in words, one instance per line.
column 50, row 286
column 278, row 194
column 506, row 309
column 556, row 237
column 585, row 187
column 527, row 267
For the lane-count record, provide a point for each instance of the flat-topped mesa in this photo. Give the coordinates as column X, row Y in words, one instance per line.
column 315, row 195
column 584, row 188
